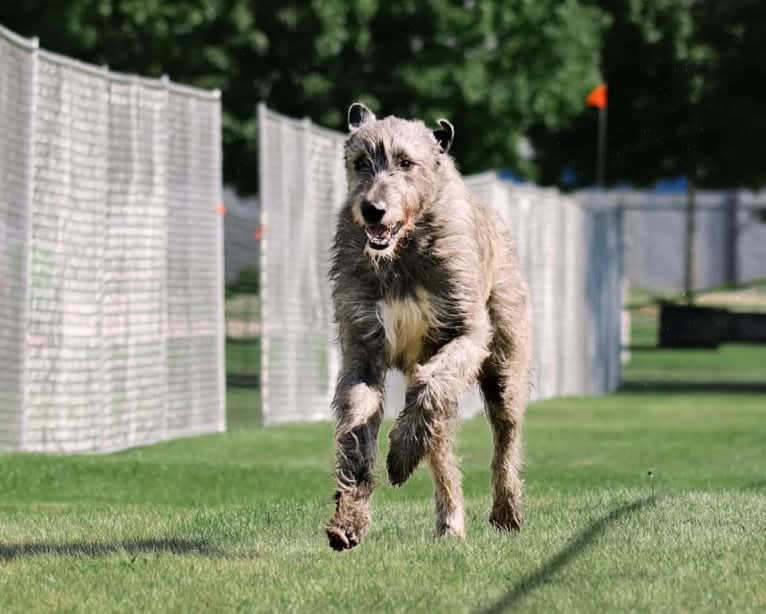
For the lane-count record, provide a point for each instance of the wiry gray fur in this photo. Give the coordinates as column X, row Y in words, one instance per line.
column 441, row 300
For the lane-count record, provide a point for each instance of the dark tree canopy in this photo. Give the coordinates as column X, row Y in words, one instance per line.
column 685, row 76
column 685, row 96
column 495, row 68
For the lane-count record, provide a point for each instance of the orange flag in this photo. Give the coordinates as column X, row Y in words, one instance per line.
column 597, row 98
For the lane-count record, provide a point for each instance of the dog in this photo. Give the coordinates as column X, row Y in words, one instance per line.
column 424, row 280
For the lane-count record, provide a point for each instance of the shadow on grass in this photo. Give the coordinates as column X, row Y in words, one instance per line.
column 10, row 552
column 643, row 347
column 686, row 387
column 234, row 380
column 551, row 567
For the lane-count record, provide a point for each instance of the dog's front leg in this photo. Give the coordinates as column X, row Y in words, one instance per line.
column 431, row 399
column 358, row 406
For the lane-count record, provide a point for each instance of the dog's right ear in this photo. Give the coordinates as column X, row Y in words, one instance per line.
column 358, row 115
column 444, row 135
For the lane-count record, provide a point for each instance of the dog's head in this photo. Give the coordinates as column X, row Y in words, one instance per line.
column 392, row 168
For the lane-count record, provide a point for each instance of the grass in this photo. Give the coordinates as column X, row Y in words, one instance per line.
column 232, row 522
column 243, row 357
column 730, row 368
column 748, row 296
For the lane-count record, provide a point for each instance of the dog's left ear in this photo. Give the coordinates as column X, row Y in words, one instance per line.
column 359, row 114
column 445, row 134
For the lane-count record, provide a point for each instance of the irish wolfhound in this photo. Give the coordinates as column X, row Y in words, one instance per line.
column 425, row 281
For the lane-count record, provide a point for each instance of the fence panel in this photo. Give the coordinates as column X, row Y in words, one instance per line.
column 17, row 59
column 112, row 256
column 730, row 239
column 303, row 183
column 65, row 369
column 194, row 344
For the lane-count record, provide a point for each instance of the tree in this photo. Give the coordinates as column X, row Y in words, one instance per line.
column 682, row 78
column 732, row 111
column 494, row 67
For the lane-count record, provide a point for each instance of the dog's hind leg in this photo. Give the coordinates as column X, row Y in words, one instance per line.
column 448, row 491
column 504, row 382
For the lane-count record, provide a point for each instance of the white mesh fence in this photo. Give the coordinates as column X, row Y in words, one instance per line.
column 16, row 95
column 730, row 239
column 111, row 286
column 571, row 257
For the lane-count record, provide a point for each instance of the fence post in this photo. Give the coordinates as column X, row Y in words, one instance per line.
column 221, row 307
column 165, row 81
column 27, row 276
column 731, row 237
column 690, row 273
column 624, row 291
column 263, row 275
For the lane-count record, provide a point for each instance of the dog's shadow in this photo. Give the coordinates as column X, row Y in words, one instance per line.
column 580, row 543
column 133, row 547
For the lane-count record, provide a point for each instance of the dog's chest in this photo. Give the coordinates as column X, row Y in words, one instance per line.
column 406, row 322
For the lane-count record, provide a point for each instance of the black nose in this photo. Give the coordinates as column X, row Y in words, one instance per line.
column 371, row 213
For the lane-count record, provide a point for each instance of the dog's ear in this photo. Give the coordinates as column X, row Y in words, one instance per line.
column 358, row 115
column 445, row 134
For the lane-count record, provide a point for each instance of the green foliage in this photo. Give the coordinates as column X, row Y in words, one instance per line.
column 683, row 74
column 495, row 68
column 684, row 98
column 732, row 110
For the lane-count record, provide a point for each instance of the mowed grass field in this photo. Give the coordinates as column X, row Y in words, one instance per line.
column 233, row 522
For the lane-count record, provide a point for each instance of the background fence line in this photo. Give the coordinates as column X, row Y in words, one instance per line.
column 571, row 257
column 111, row 256
column 731, row 235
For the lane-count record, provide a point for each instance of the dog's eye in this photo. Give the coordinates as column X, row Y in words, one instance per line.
column 360, row 164
column 405, row 164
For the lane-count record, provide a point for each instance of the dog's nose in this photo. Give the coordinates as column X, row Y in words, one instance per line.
column 371, row 212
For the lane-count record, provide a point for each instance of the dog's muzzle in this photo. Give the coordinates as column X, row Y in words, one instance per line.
column 380, row 236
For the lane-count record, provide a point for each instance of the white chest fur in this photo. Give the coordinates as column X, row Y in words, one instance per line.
column 406, row 323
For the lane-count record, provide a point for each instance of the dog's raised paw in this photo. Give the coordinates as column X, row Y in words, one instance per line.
column 408, row 448
column 398, row 471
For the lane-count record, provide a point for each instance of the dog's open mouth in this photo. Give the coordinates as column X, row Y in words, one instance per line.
column 380, row 236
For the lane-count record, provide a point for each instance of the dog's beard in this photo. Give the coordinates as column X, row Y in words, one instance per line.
column 378, row 254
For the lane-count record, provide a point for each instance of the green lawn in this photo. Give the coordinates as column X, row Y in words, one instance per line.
column 233, row 521
column 730, row 368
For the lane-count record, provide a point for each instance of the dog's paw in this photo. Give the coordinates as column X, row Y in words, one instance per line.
column 401, row 466
column 351, row 521
column 450, row 525
column 342, row 538
column 506, row 518
column 409, row 440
